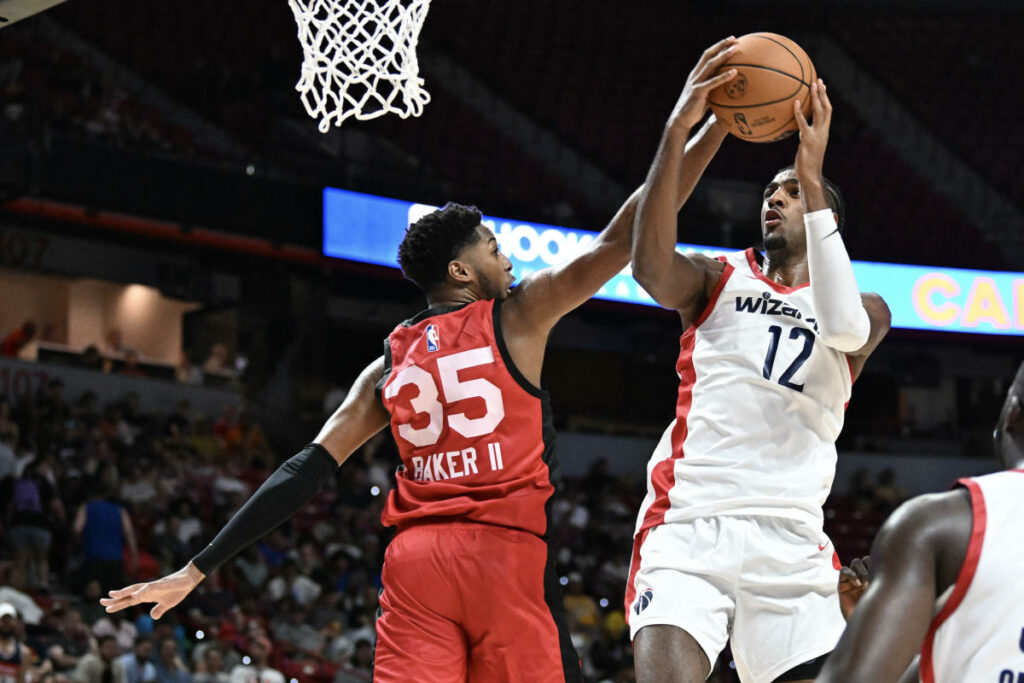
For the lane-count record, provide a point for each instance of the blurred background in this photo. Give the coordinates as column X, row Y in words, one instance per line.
column 171, row 329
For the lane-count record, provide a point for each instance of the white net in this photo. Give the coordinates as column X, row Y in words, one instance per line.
column 359, row 58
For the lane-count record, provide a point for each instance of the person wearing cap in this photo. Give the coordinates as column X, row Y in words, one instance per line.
column 12, row 652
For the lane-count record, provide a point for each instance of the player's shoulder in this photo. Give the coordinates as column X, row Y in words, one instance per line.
column 932, row 519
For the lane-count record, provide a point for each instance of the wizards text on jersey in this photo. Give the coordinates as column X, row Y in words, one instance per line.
column 766, row 304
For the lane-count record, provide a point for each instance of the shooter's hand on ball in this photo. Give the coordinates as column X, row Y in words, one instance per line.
column 693, row 102
column 165, row 592
column 810, row 156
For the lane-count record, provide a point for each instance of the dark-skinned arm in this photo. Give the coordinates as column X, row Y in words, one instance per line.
column 283, row 494
column 673, row 280
column 880, row 318
column 543, row 298
column 917, row 555
column 566, row 286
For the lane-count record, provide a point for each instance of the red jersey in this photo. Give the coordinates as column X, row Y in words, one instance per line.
column 475, row 437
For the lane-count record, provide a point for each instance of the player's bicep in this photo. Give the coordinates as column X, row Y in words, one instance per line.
column 881, row 320
column 683, row 285
column 358, row 418
column 875, row 646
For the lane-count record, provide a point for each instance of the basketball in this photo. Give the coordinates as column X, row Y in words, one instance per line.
column 757, row 105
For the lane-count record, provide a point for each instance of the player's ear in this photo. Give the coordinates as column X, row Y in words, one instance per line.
column 836, row 217
column 460, row 271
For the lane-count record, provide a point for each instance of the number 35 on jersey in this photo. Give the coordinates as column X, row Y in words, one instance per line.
column 428, row 405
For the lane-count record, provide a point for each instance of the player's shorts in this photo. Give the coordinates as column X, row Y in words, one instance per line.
column 767, row 583
column 471, row 602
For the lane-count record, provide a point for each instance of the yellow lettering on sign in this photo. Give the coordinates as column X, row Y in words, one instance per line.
column 930, row 285
column 984, row 305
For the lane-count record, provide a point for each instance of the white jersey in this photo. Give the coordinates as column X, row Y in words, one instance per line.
column 761, row 402
column 978, row 635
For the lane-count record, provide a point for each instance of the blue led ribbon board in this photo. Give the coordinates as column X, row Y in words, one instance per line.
column 368, row 229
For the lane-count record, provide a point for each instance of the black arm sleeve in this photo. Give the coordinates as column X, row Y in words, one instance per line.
column 283, row 494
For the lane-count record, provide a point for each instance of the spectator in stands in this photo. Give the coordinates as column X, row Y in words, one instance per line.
column 582, row 609
column 170, row 667
column 114, row 343
column 211, row 669
column 9, row 431
column 91, row 359
column 70, row 641
column 259, row 670
column 887, row 492
column 13, row 653
column 13, row 591
column 188, row 372
column 290, row 583
column 118, row 627
column 86, row 412
column 131, row 364
column 16, row 341
column 105, row 528
column 136, row 666
column 52, row 416
column 218, row 362
column 98, row 667
column 34, row 509
column 359, row 667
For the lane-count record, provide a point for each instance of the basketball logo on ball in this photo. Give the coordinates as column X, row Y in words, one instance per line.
column 741, row 123
column 735, row 88
column 757, row 105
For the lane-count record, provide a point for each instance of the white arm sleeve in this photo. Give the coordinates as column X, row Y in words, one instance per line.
column 843, row 324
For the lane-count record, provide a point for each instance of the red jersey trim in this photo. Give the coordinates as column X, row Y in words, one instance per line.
column 723, row 278
column 756, row 270
column 853, row 380
column 963, row 580
column 663, row 476
column 634, row 567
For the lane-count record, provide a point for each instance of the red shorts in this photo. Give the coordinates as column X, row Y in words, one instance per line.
column 471, row 602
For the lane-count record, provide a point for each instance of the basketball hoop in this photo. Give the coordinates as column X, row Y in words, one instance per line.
column 359, row 58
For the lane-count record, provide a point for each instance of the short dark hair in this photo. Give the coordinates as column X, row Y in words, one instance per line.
column 434, row 240
column 833, row 197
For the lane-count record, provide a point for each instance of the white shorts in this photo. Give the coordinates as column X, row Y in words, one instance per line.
column 766, row 583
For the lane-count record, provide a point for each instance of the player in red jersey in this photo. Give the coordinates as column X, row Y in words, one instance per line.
column 469, row 590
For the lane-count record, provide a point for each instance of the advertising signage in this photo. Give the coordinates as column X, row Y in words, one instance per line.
column 368, row 229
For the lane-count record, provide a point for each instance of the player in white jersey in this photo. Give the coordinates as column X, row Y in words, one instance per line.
column 967, row 543
column 729, row 541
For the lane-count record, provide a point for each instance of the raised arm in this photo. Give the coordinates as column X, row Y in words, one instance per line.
column 917, row 555
column 283, row 494
column 848, row 321
column 673, row 280
column 543, row 298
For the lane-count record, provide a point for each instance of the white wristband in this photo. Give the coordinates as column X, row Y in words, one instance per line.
column 843, row 324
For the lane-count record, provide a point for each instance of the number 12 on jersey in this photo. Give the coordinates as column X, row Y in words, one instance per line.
column 773, row 347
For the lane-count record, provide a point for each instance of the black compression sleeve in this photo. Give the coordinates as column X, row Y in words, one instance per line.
column 283, row 494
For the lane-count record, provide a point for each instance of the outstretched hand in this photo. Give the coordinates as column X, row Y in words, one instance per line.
column 810, row 156
column 693, row 102
column 853, row 581
column 166, row 592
